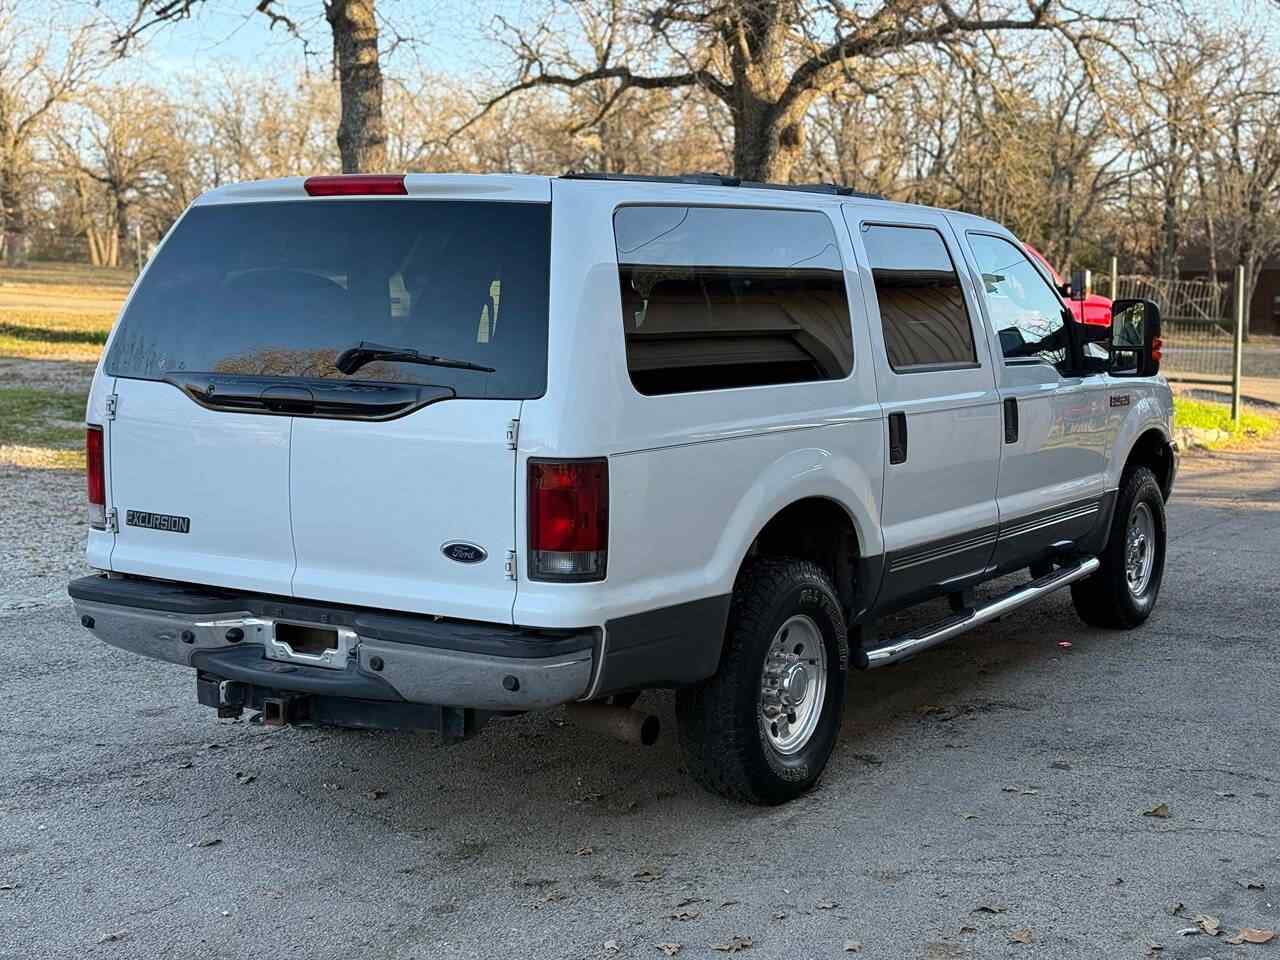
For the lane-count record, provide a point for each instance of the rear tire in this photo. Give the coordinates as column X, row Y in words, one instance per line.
column 1123, row 592
column 761, row 730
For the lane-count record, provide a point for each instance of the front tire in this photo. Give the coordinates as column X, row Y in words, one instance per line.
column 761, row 730
column 1123, row 592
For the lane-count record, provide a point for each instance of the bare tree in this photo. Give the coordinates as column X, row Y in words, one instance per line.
column 767, row 61
column 124, row 144
column 361, row 135
column 41, row 65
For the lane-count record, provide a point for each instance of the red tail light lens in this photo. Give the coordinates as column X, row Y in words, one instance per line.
column 95, row 478
column 568, row 519
column 356, row 185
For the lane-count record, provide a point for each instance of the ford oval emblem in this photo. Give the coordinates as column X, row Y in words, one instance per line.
column 464, row 552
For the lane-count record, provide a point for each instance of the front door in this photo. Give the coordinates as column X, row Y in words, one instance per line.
column 937, row 393
column 1056, row 420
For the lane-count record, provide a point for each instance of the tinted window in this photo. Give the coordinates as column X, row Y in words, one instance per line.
column 1025, row 311
column 714, row 298
column 922, row 307
column 280, row 289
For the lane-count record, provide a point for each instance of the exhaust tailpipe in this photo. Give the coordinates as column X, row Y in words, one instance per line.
column 620, row 723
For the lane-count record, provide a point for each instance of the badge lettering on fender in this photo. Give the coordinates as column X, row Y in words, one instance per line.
column 1119, row 399
column 169, row 523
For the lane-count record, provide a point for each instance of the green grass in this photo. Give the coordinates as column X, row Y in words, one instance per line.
column 1202, row 415
column 41, row 428
column 50, row 335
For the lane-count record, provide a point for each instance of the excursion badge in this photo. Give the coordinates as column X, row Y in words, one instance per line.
column 170, row 523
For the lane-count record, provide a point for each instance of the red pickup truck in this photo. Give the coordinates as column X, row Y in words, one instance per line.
column 1094, row 309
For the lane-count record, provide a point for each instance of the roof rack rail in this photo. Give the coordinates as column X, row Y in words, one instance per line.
column 723, row 180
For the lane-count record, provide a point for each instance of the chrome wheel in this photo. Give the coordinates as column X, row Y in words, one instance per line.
column 1140, row 549
column 793, row 687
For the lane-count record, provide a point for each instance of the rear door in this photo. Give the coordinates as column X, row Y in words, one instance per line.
column 325, row 388
column 200, row 495
column 937, row 390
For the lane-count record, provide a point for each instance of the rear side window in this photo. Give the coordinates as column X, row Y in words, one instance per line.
column 922, row 311
column 715, row 298
column 281, row 289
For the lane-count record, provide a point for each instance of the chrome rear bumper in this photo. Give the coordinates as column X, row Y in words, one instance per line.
column 241, row 646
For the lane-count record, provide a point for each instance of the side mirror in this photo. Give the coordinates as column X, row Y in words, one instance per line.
column 1135, row 337
column 1081, row 284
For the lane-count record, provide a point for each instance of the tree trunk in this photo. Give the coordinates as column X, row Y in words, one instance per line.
column 765, row 147
column 14, row 217
column 362, row 135
column 122, row 226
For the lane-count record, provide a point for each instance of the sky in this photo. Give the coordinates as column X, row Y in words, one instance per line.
column 451, row 36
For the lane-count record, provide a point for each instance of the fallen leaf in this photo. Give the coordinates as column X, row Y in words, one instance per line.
column 1153, row 949
column 853, row 946
column 645, row 876
column 9, row 886
column 1252, row 884
column 1160, row 810
column 376, row 794
column 1224, row 795
column 968, row 929
column 1173, row 909
column 690, row 900
column 779, row 916
column 1188, row 931
column 1250, row 935
column 1010, row 789
column 207, row 842
column 971, row 816
column 733, row 945
column 585, row 851
column 185, row 765
column 989, row 907
column 612, row 946
column 669, row 949
column 870, row 759
column 1117, row 882
column 826, row 904
column 244, row 778
column 1208, row 924
column 686, row 915
column 730, row 903
column 113, row 936
column 1022, row 936
column 1060, row 765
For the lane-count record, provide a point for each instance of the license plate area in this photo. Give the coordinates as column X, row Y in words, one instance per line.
column 314, row 644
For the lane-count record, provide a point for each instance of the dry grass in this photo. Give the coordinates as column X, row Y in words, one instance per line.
column 53, row 335
column 45, row 274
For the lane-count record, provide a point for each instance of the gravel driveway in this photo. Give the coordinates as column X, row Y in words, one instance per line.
column 994, row 787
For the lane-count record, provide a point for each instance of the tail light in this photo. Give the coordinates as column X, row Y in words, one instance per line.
column 568, row 519
column 95, row 478
column 356, row 185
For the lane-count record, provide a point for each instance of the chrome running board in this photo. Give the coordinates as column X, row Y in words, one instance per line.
column 922, row 638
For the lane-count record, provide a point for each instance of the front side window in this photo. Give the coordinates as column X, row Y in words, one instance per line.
column 715, row 298
column 922, row 311
column 1024, row 310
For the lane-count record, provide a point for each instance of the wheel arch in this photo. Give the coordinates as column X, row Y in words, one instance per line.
column 1153, row 449
column 824, row 531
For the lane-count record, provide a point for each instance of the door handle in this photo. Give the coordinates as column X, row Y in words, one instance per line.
column 1011, row 420
column 897, row 437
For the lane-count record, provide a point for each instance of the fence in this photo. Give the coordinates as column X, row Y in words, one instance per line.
column 1197, row 324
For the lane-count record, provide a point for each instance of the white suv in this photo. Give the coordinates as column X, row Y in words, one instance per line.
column 415, row 451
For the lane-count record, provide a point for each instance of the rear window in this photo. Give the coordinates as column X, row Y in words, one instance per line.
column 715, row 298
column 281, row 289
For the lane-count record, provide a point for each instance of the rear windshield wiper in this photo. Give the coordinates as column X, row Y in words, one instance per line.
column 353, row 358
